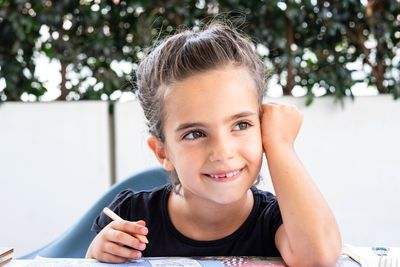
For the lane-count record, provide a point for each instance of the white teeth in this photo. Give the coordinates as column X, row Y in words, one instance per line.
column 231, row 174
column 226, row 175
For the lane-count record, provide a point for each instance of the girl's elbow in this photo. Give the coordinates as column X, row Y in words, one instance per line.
column 327, row 256
column 329, row 249
column 321, row 260
column 327, row 259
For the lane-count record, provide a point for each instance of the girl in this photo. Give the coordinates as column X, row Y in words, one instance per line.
column 202, row 96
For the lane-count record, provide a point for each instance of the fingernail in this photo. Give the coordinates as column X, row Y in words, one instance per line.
column 139, row 254
column 144, row 231
column 142, row 246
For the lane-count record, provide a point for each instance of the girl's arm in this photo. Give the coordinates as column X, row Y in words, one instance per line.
column 309, row 235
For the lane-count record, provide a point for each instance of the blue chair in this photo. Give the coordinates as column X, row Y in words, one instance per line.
column 75, row 242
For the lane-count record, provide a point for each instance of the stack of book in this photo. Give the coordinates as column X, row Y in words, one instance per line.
column 6, row 255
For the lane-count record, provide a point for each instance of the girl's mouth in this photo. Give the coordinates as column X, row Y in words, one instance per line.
column 225, row 176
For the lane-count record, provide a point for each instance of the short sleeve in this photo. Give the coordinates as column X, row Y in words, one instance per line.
column 274, row 214
column 121, row 205
column 271, row 221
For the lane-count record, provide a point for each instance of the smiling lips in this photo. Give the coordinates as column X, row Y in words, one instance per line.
column 226, row 175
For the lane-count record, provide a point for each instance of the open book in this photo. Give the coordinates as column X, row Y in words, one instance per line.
column 165, row 262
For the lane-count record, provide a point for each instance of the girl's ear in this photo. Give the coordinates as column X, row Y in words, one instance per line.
column 158, row 149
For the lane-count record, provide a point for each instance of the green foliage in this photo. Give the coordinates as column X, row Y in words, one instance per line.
column 307, row 44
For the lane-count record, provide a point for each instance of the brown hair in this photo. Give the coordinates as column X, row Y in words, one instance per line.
column 184, row 54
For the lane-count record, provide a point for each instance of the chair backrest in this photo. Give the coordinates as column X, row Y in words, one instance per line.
column 74, row 242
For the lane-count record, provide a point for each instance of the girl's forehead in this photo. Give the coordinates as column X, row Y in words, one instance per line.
column 228, row 80
column 215, row 94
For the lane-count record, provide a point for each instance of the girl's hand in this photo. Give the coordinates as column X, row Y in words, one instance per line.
column 116, row 242
column 280, row 125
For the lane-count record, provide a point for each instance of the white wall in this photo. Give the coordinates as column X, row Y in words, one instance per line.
column 132, row 153
column 55, row 162
column 351, row 151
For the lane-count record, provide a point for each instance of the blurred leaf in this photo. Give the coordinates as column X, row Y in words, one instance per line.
column 90, row 36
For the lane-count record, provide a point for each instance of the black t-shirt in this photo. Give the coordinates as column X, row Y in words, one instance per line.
column 255, row 237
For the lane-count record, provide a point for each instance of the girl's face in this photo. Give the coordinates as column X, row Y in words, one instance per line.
column 212, row 134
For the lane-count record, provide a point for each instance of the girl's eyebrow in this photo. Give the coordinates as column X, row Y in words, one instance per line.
column 188, row 125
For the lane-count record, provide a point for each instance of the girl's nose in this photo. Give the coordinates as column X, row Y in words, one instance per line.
column 221, row 149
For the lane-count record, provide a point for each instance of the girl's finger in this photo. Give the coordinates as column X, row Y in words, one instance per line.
column 121, row 251
column 141, row 222
column 125, row 239
column 107, row 257
column 130, row 227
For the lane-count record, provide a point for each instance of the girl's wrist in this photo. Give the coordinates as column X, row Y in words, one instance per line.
column 281, row 145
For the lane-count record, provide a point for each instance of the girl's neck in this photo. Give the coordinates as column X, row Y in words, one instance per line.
column 208, row 221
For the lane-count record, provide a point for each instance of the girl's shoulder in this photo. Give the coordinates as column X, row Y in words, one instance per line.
column 134, row 205
column 129, row 195
column 262, row 195
column 266, row 212
column 265, row 203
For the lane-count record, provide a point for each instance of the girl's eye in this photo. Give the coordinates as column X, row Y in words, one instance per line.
column 193, row 135
column 242, row 125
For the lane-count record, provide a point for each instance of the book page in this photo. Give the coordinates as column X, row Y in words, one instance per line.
column 162, row 262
